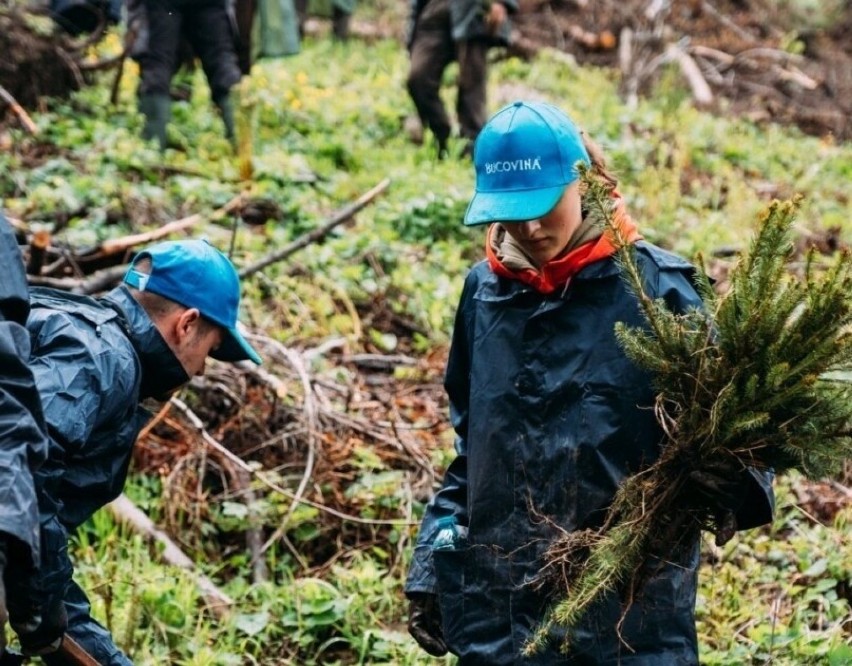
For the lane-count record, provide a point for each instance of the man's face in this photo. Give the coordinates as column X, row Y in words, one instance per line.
column 545, row 238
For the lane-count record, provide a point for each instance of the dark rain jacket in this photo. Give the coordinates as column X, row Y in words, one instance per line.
column 23, row 445
column 550, row 418
column 93, row 361
column 466, row 20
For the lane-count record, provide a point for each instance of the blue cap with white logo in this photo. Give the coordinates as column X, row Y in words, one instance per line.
column 525, row 157
column 197, row 275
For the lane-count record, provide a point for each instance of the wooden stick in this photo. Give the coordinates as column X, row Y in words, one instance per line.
column 698, row 84
column 38, row 249
column 19, row 111
column 728, row 23
column 76, row 653
column 119, row 245
column 128, row 513
column 338, row 218
column 129, row 41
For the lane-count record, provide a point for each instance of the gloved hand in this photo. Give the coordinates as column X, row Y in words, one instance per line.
column 41, row 632
column 721, row 489
column 424, row 623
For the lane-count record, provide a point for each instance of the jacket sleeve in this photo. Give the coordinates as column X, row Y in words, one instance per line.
column 451, row 499
column 23, row 445
column 67, row 378
column 759, row 506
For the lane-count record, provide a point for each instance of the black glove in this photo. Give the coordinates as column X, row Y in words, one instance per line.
column 41, row 632
column 721, row 490
column 424, row 623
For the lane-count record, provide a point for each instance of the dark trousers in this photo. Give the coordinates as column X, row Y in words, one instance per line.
column 207, row 28
column 432, row 50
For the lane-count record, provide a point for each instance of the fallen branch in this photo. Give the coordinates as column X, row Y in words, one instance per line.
column 309, row 409
column 728, row 23
column 697, row 83
column 19, row 111
column 38, row 251
column 129, row 41
column 125, row 511
column 119, row 245
column 96, row 282
column 304, row 240
column 790, row 73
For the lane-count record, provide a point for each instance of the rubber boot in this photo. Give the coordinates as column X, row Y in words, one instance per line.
column 226, row 108
column 340, row 24
column 157, row 109
column 442, row 140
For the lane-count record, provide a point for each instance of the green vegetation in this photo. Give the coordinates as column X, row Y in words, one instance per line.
column 328, row 125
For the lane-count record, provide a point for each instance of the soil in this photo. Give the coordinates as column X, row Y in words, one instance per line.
column 741, row 48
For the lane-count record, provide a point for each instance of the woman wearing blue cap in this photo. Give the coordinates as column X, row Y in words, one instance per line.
column 550, row 415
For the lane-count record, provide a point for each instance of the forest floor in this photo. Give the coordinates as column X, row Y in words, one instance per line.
column 765, row 60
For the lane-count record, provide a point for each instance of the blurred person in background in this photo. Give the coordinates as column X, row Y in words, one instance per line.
column 443, row 31
column 164, row 28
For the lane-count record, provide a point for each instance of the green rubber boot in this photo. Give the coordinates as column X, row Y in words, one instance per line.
column 226, row 107
column 157, row 110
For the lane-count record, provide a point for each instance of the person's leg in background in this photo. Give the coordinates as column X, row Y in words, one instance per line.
column 156, row 65
column 432, row 50
column 472, row 89
column 212, row 37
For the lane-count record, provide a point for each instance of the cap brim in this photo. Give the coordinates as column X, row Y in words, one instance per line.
column 234, row 348
column 517, row 206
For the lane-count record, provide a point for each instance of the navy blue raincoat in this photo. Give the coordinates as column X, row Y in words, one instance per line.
column 93, row 361
column 550, row 418
column 23, row 445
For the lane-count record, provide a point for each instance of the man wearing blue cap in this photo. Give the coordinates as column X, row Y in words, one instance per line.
column 550, row 415
column 93, row 361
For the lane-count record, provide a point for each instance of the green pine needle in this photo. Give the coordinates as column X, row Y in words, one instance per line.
column 762, row 374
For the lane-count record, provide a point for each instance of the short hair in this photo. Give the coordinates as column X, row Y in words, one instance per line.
column 157, row 307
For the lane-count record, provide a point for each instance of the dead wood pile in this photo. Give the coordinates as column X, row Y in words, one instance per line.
column 734, row 55
column 38, row 60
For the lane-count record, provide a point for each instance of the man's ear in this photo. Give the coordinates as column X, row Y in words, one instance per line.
column 187, row 324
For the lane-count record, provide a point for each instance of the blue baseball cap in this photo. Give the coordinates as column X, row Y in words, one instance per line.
column 525, row 157
column 197, row 275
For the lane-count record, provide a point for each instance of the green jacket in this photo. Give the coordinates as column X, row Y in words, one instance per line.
column 467, row 20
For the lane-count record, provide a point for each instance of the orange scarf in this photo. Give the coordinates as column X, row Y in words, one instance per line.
column 558, row 272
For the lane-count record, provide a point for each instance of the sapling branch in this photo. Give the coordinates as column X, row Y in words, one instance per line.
column 760, row 378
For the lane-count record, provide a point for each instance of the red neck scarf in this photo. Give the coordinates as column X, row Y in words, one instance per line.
column 558, row 272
